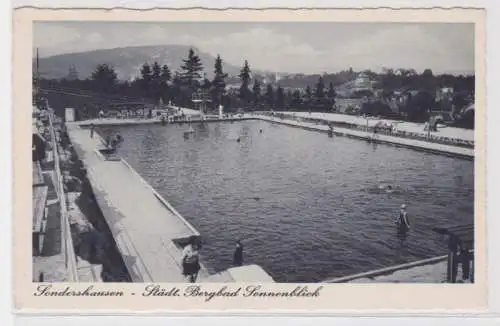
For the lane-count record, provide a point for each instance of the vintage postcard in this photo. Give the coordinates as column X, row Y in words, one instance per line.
column 298, row 161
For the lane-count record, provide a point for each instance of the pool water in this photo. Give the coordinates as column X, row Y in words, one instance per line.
column 306, row 207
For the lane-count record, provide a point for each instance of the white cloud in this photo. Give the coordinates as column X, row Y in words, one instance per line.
column 406, row 46
column 263, row 48
column 53, row 37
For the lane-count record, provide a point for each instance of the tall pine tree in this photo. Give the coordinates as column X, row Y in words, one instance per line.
column 280, row 97
column 218, row 83
column 156, row 81
column 296, row 99
column 331, row 96
column 176, row 90
column 308, row 95
column 145, row 80
column 245, row 81
column 104, row 78
column 191, row 70
column 320, row 89
column 165, row 76
column 256, row 91
column 269, row 96
column 331, row 91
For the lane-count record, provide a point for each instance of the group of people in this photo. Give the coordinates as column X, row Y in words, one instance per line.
column 191, row 258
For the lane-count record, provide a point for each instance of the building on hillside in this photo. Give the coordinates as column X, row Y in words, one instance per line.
column 362, row 80
column 444, row 93
column 362, row 83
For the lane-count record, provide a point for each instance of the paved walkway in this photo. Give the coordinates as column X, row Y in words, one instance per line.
column 412, row 143
column 448, row 132
column 143, row 227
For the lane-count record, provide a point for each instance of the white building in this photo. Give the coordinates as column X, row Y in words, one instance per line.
column 444, row 93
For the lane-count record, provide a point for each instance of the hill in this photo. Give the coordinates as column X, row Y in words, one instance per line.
column 127, row 61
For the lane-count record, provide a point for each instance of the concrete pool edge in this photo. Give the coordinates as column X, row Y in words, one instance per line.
column 417, row 145
column 162, row 200
column 387, row 270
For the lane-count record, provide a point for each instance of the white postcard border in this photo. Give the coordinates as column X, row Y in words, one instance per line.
column 24, row 300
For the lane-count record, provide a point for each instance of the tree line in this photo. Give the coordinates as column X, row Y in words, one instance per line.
column 155, row 82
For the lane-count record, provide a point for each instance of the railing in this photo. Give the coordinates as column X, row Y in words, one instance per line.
column 68, row 247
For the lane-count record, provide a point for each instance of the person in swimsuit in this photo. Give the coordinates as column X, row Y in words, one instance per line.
column 403, row 222
column 191, row 260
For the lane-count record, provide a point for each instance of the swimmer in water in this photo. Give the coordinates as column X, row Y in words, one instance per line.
column 238, row 139
column 403, row 222
column 386, row 187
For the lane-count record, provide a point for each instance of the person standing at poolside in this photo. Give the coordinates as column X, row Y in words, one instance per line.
column 191, row 260
column 465, row 257
column 238, row 254
column 92, row 127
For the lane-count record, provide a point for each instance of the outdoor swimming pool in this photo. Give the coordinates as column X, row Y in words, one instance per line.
column 306, row 207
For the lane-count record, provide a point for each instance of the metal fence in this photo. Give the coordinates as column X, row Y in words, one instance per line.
column 68, row 247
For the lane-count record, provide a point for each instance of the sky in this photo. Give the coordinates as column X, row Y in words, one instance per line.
column 294, row 47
